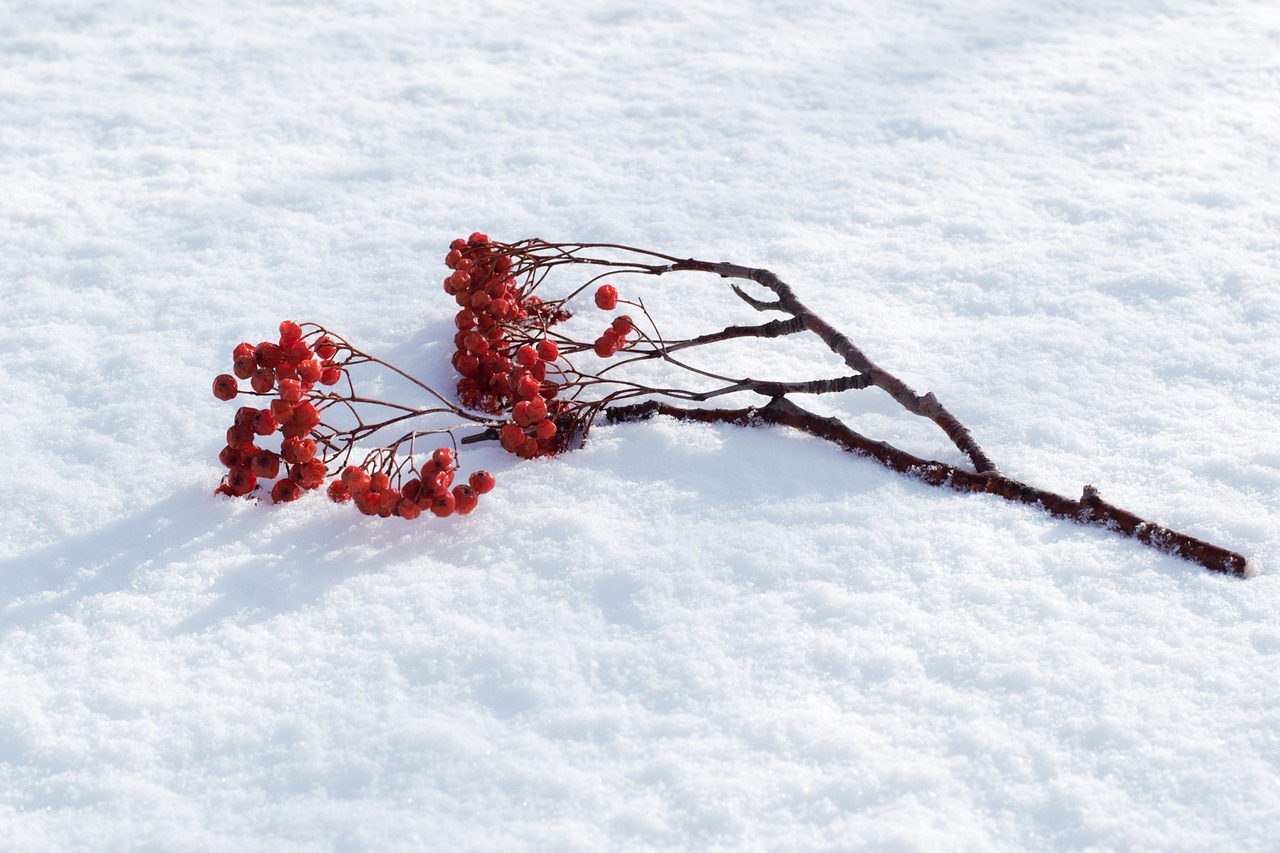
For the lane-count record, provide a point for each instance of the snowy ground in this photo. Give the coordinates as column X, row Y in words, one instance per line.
column 1060, row 217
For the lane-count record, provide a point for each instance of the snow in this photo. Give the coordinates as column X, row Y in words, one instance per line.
column 1059, row 217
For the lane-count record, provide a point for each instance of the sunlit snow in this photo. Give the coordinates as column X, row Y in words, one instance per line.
column 1061, row 218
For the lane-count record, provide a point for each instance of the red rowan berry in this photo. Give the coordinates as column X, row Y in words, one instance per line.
column 298, row 351
column 309, row 474
column 466, row 364
column 464, row 500
column 411, row 489
column 265, row 464
column 379, row 481
column 480, row 301
column 225, row 386
column 356, row 479
column 305, row 415
column 264, row 423
column 442, row 458
column 241, row 481
column 527, row 356
column 243, row 348
column 296, row 451
column 465, row 319
column 230, row 456
column 476, row 343
column 606, row 345
column 478, row 237
column 545, row 429
column 290, row 390
column 511, row 437
column 326, row 347
column 436, row 482
column 244, row 366
column 263, row 380
column 245, row 416
column 623, row 325
column 407, row 509
column 268, row 354
column 443, row 505
column 606, row 297
column 239, row 436
column 338, row 493
column 289, row 332
column 548, row 350
column 310, row 371
column 331, row 375
column 451, row 259
column 284, row 491
column 482, row 481
column 528, row 387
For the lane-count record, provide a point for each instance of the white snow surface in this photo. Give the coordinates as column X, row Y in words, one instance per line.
column 1061, row 217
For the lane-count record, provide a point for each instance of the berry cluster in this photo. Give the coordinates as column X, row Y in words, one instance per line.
column 427, row 489
column 502, row 350
column 290, row 370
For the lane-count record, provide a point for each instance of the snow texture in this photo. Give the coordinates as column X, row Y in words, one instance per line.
column 1060, row 217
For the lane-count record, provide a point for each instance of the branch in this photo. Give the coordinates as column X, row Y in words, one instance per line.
column 1090, row 509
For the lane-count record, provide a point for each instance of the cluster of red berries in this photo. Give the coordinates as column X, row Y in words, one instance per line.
column 503, row 368
column 614, row 338
column 289, row 370
column 428, row 490
column 290, row 367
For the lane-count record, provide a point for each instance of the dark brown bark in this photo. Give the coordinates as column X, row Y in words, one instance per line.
column 1089, row 509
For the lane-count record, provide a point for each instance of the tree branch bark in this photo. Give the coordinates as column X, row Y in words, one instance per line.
column 1090, row 509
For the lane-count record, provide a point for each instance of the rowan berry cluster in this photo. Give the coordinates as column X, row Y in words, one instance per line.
column 429, row 489
column 506, row 359
column 290, row 368
column 293, row 372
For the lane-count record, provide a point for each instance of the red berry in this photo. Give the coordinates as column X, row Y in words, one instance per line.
column 265, row 464
column 478, row 237
column 331, row 375
column 243, row 348
column 241, row 481
column 443, row 505
column 465, row 320
column 464, row 500
column 339, row 493
column 548, row 350
column 527, row 388
column 268, row 354
column 407, row 509
column 310, row 474
column 442, row 458
column 527, row 356
column 243, row 366
column 356, row 479
column 239, row 436
column 606, row 345
column 285, row 490
column 606, row 297
column 482, row 481
column 289, row 332
column 476, row 343
column 511, row 437
column 326, row 347
column 225, row 386
column 545, row 429
column 623, row 325
column 290, row 390
column 263, row 380
column 379, row 481
column 264, row 423
column 310, row 370
column 296, row 451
